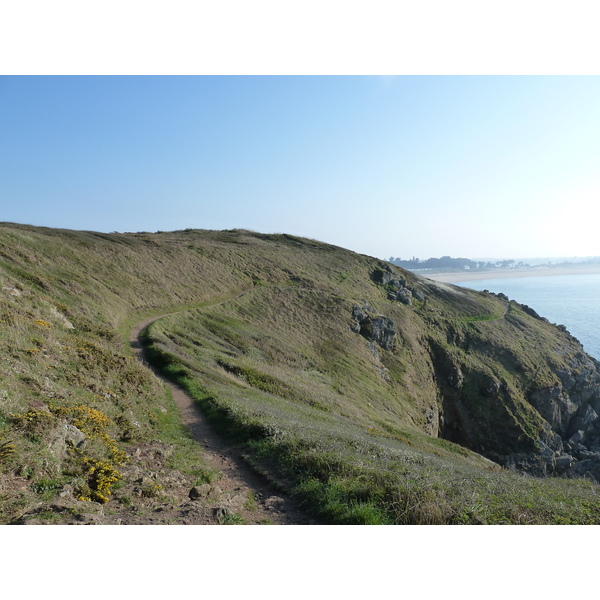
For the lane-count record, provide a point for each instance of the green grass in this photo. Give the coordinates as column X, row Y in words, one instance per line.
column 231, row 519
column 349, row 428
column 477, row 318
column 347, row 473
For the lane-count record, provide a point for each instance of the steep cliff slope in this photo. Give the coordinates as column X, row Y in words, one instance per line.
column 373, row 394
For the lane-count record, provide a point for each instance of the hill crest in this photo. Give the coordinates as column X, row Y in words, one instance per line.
column 340, row 362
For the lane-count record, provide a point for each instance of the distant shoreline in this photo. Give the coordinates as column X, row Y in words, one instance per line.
column 512, row 273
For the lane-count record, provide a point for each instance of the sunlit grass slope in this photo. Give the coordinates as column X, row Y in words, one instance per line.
column 343, row 424
column 263, row 337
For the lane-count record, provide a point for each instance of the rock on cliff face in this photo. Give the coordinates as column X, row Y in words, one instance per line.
column 378, row 329
column 571, row 410
column 491, row 401
column 510, row 385
column 398, row 288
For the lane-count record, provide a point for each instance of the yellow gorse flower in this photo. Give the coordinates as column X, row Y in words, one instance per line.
column 101, row 476
column 41, row 323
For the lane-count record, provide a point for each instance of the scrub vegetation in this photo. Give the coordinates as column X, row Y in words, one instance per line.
column 261, row 335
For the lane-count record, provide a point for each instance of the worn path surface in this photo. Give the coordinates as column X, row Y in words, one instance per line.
column 240, row 490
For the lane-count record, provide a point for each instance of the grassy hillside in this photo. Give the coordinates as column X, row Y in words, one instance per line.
column 371, row 394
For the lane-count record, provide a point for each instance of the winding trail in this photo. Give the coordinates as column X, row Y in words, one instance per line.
column 239, row 481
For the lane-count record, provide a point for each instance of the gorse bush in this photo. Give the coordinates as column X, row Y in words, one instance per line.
column 101, row 477
column 101, row 474
column 7, row 449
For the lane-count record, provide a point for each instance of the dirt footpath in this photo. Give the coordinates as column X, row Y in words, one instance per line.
column 240, row 493
column 153, row 493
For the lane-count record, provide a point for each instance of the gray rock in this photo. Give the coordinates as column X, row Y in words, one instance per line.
column 382, row 276
column 545, row 452
column 554, row 405
column 61, row 318
column 454, row 376
column 526, row 309
column 380, row 329
column 236, row 501
column 405, row 296
column 275, row 502
column 447, row 366
column 401, row 294
column 418, row 295
column 221, row 513
column 200, row 491
column 589, row 467
column 397, row 283
column 12, row 291
column 563, row 462
column 551, row 440
column 398, row 288
column 556, row 443
column 585, row 416
column 432, row 420
column 384, row 332
column 359, row 314
column 491, row 387
column 583, row 454
column 577, row 438
column 74, row 436
column 65, row 436
column 540, row 464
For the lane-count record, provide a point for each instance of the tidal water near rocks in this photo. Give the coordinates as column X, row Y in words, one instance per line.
column 570, row 300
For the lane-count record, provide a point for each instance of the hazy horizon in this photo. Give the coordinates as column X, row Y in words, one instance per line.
column 387, row 166
column 421, row 258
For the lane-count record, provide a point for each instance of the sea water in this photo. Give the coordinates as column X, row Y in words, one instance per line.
column 570, row 300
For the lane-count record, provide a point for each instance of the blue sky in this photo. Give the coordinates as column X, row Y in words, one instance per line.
column 477, row 166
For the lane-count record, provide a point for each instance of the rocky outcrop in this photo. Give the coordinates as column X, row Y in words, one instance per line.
column 386, row 276
column 375, row 328
column 65, row 436
column 554, row 405
column 490, row 397
column 446, row 366
column 531, row 312
column 398, row 288
column 383, row 332
column 403, row 295
column 11, row 291
column 553, row 430
column 61, row 318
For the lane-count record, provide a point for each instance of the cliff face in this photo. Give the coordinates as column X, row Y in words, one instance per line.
column 516, row 388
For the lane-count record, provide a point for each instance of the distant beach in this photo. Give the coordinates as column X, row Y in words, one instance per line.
column 451, row 277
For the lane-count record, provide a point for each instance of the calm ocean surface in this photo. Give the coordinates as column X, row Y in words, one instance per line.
column 570, row 300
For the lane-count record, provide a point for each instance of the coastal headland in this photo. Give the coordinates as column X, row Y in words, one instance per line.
column 310, row 384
